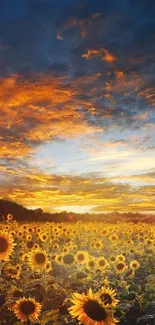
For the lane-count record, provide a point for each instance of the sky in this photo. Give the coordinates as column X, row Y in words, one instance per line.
column 77, row 99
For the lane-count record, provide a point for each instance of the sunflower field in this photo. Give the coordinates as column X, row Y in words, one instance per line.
column 92, row 273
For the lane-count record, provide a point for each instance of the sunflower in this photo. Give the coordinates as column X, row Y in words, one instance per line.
column 132, row 251
column 38, row 230
column 68, row 259
column 91, row 264
column 59, row 259
column 98, row 244
column 113, row 237
column 120, row 258
column 13, row 233
column 37, row 260
column 6, row 227
column 36, row 246
column 6, row 246
column 13, row 272
column 121, row 267
column 105, row 232
column 134, row 265
column 30, row 229
column 73, row 247
column 82, row 257
column 20, row 233
column 9, row 217
column 27, row 309
column 29, row 237
column 56, row 246
column 48, row 267
column 102, row 263
column 24, row 257
column 25, row 226
column 65, row 249
column 30, row 244
column 112, row 259
column 129, row 242
column 88, row 310
column 107, row 297
column 148, row 242
column 43, row 236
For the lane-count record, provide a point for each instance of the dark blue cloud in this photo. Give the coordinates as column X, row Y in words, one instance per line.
column 29, row 45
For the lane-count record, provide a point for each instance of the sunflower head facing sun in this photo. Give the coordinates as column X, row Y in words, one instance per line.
column 9, row 217
column 89, row 311
column 107, row 297
column 38, row 260
column 121, row 267
column 82, row 257
column 134, row 265
column 6, row 246
column 27, row 309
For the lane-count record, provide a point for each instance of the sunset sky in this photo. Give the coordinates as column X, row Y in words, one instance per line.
column 77, row 99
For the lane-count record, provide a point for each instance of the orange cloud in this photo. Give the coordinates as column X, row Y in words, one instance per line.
column 38, row 111
column 55, row 192
column 59, row 37
column 91, row 54
column 85, row 24
column 148, row 94
column 14, row 149
column 108, row 56
column 104, row 53
column 119, row 74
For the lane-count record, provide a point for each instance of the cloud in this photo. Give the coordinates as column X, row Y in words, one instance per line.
column 56, row 191
column 103, row 53
column 59, row 37
column 39, row 109
column 34, row 111
column 146, row 178
column 76, row 21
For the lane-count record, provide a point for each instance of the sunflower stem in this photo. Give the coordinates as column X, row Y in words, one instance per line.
column 45, row 279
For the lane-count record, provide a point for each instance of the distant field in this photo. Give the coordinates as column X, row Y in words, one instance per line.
column 44, row 265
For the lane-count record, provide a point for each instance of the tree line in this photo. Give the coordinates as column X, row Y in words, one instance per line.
column 22, row 214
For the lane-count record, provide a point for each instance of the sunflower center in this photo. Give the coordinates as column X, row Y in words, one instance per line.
column 30, row 244
column 3, row 245
column 134, row 265
column 120, row 266
column 93, row 310
column 68, row 259
column 13, row 271
column 27, row 307
column 91, row 264
column 53, row 257
column 106, row 298
column 102, row 263
column 80, row 257
column 40, row 258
